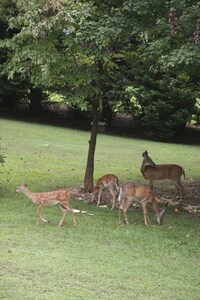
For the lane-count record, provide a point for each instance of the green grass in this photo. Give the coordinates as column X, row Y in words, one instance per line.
column 97, row 259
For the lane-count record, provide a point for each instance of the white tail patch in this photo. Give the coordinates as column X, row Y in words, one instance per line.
column 120, row 194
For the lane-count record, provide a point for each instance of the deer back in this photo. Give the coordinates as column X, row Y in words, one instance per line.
column 164, row 171
column 52, row 198
column 131, row 191
column 107, row 180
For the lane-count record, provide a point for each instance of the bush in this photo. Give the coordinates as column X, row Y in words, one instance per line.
column 162, row 121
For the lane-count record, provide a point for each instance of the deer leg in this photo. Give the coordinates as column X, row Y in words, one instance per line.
column 148, row 220
column 179, row 190
column 120, row 216
column 65, row 209
column 39, row 209
column 63, row 216
column 146, row 217
column 125, row 217
column 39, row 216
column 72, row 213
column 151, row 184
column 159, row 214
column 113, row 194
column 176, row 194
column 125, row 208
column 99, row 195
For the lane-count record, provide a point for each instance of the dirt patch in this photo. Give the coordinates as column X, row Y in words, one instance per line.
column 163, row 190
column 191, row 191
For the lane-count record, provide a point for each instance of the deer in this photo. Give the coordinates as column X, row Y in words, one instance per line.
column 172, row 172
column 130, row 192
column 109, row 181
column 59, row 197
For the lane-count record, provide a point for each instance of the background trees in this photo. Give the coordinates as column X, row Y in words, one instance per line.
column 140, row 56
column 161, row 67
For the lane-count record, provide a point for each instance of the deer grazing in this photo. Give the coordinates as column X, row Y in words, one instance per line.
column 172, row 172
column 59, row 197
column 109, row 181
column 130, row 192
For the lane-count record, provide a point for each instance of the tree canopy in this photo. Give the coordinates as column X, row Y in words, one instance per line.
column 142, row 56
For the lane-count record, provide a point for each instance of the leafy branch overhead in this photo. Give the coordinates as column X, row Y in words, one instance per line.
column 139, row 56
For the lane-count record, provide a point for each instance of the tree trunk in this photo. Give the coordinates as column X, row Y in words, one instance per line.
column 36, row 101
column 88, row 181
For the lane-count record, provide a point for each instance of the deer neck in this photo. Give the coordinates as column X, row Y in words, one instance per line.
column 28, row 194
column 155, row 208
column 159, row 214
column 143, row 166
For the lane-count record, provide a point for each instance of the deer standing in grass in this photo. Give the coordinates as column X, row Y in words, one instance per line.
column 59, row 197
column 173, row 172
column 109, row 181
column 130, row 192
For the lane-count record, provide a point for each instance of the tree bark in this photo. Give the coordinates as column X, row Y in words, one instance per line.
column 35, row 101
column 88, row 181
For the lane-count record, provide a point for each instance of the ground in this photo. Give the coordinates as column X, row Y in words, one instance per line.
column 121, row 124
column 163, row 191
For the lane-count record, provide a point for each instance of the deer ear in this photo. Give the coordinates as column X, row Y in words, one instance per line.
column 145, row 153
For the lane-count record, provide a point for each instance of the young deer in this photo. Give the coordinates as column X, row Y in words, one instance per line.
column 60, row 197
column 130, row 192
column 109, row 181
column 173, row 172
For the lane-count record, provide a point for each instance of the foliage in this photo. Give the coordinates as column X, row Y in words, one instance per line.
column 119, row 54
column 10, row 91
column 196, row 116
column 2, row 157
column 164, row 72
column 62, row 48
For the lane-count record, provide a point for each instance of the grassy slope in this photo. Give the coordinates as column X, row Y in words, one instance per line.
column 98, row 259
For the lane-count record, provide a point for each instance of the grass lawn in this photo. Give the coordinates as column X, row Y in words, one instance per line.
column 97, row 259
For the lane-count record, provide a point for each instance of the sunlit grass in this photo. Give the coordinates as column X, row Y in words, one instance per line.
column 97, row 259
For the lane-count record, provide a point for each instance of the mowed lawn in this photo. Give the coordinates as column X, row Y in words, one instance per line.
column 97, row 259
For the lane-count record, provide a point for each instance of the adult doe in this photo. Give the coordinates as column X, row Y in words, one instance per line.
column 130, row 192
column 59, row 197
column 172, row 172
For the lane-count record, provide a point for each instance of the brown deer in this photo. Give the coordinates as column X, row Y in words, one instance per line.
column 109, row 181
column 59, row 197
column 130, row 192
column 172, row 172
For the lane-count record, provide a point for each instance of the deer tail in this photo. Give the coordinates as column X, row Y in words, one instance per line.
column 120, row 198
column 120, row 194
column 183, row 174
column 117, row 184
